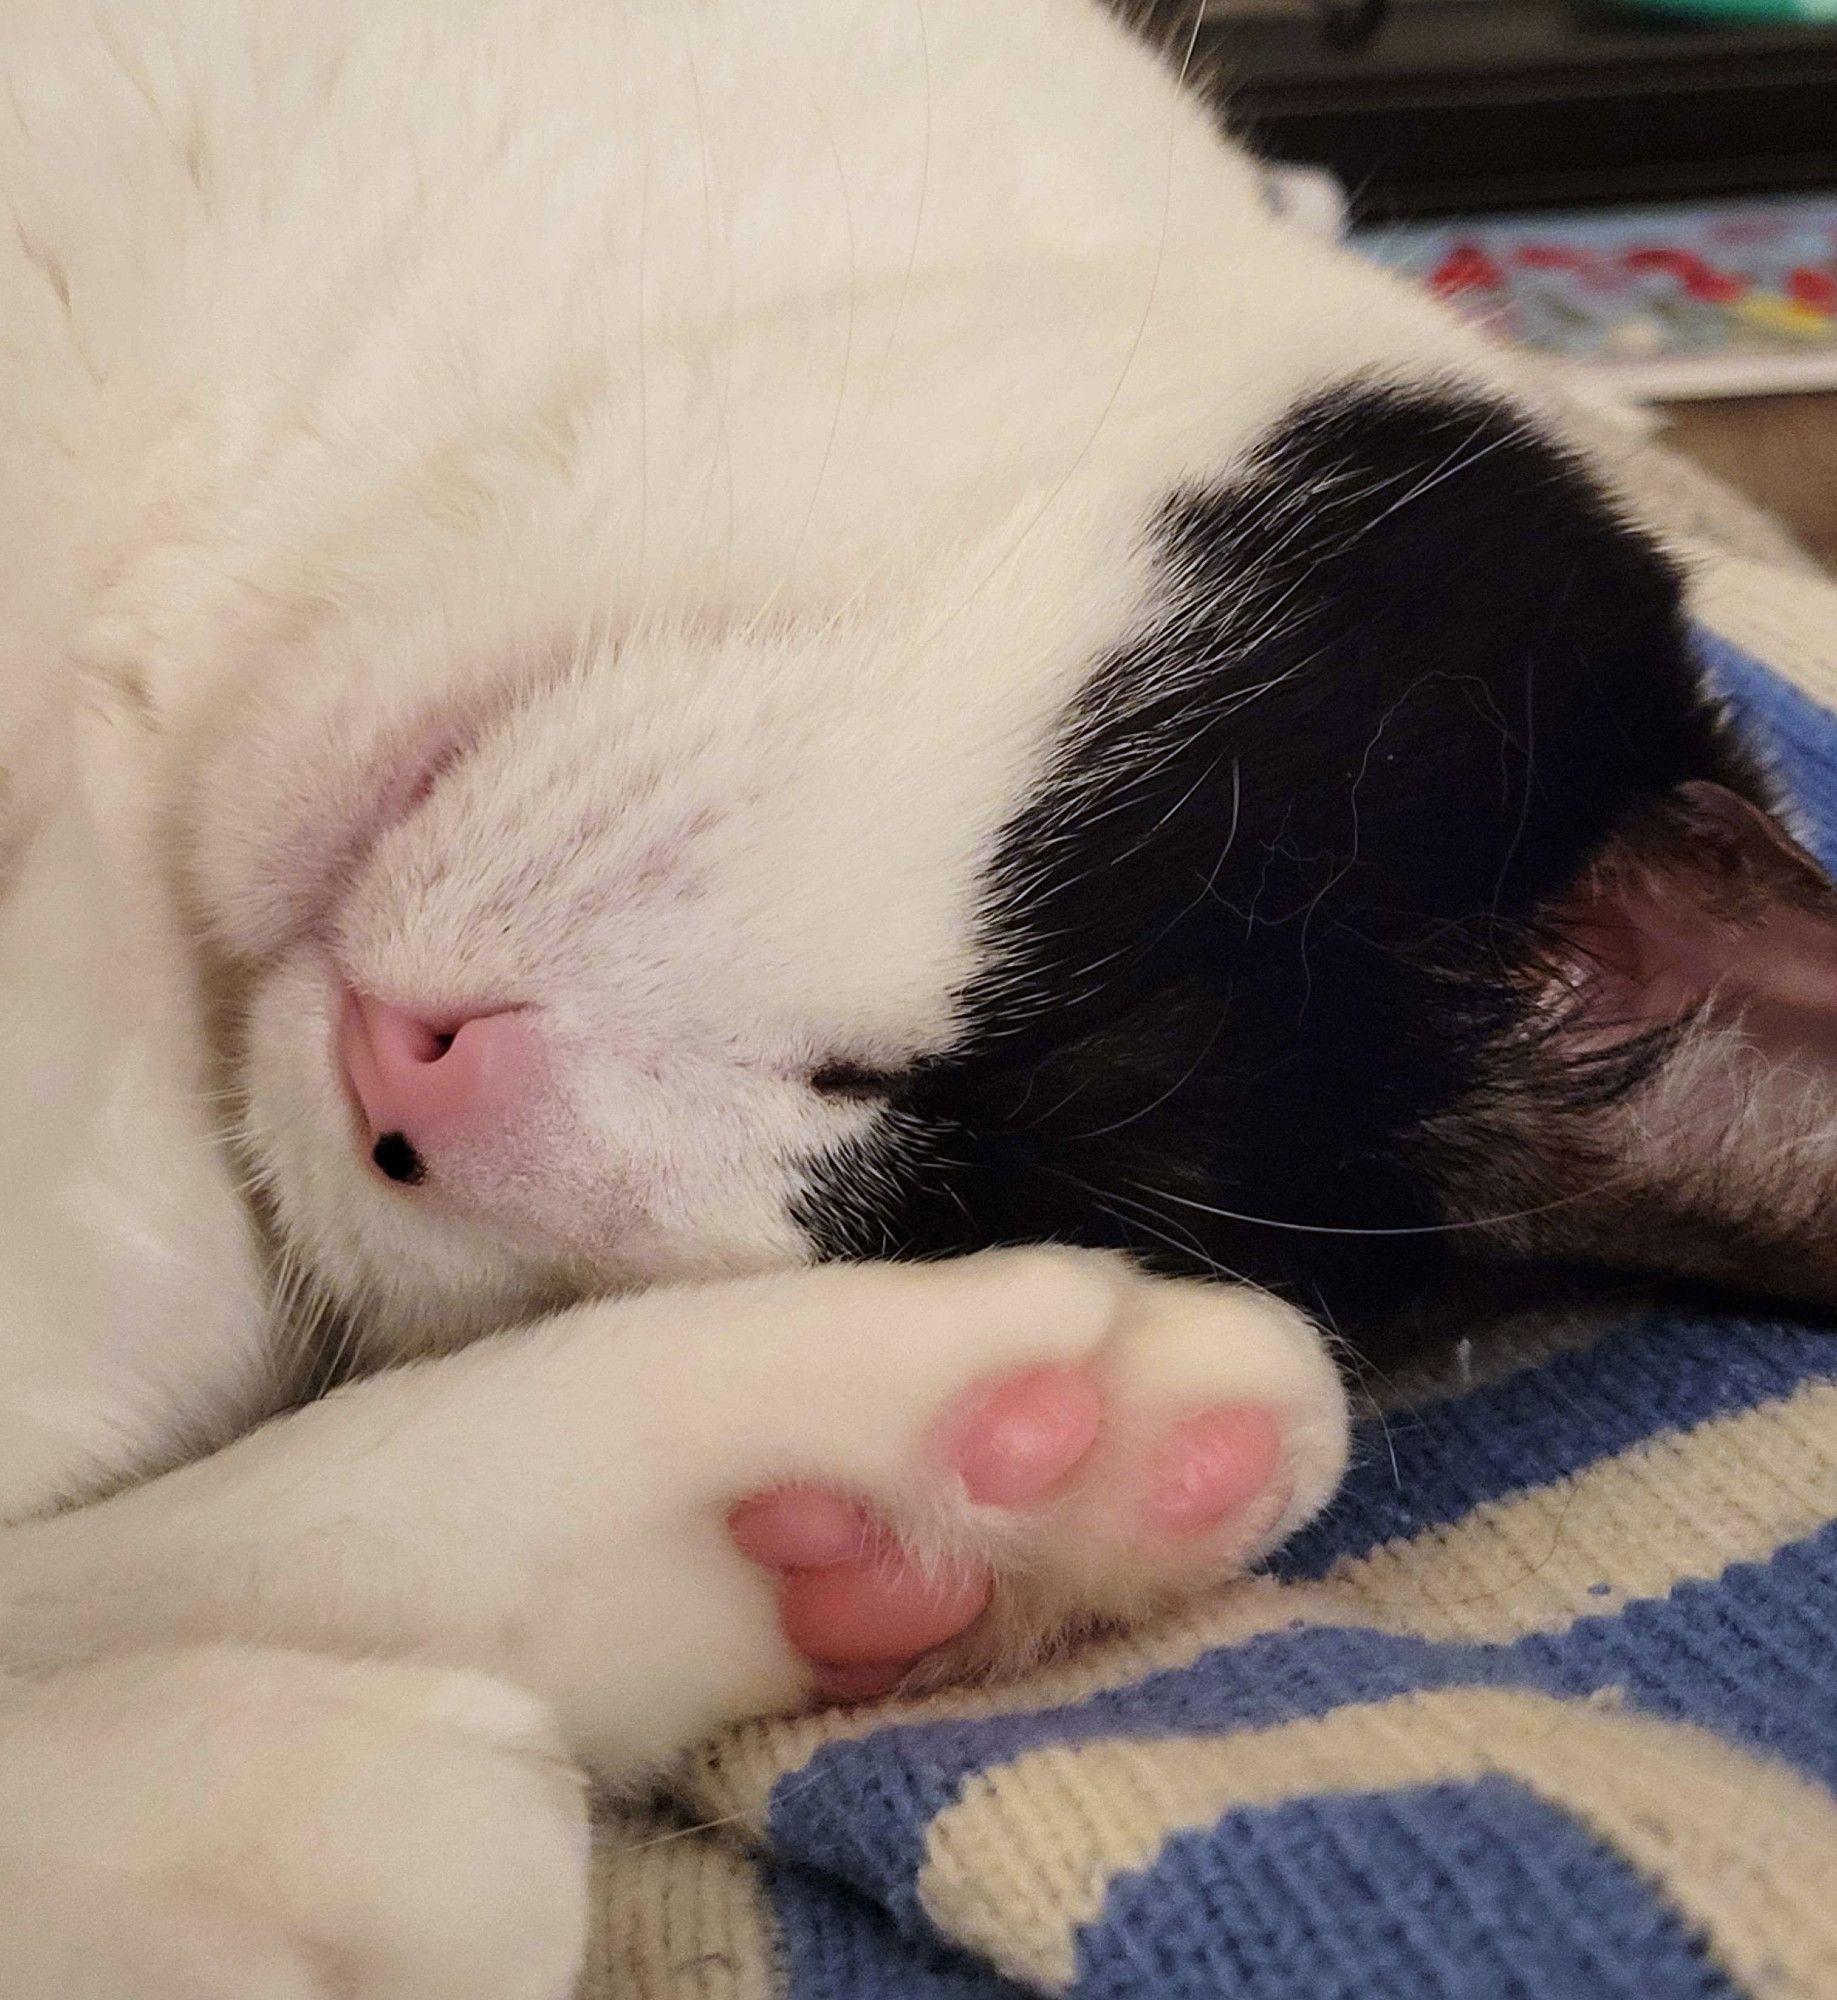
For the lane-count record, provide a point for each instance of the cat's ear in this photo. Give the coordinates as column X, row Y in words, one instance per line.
column 1706, row 904
column 1669, row 1099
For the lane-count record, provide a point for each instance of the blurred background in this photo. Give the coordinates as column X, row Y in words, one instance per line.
column 1647, row 191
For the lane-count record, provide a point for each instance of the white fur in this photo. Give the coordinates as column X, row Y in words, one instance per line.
column 745, row 418
column 142, row 1852
column 735, row 429
column 134, row 1328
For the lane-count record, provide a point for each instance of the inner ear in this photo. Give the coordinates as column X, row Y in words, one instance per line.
column 1705, row 905
column 1668, row 1102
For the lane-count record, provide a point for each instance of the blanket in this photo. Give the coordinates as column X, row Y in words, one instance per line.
column 1545, row 1705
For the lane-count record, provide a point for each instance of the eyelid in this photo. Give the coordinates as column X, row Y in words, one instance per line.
column 855, row 1080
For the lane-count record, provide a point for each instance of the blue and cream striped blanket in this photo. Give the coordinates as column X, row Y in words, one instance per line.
column 1545, row 1707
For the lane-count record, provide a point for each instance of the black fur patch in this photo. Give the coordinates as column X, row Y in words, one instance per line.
column 1271, row 915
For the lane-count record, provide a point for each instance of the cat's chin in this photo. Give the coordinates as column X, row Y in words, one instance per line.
column 400, row 1287
column 272, row 881
column 300, row 784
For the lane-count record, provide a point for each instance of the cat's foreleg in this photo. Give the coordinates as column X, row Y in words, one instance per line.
column 553, row 1506
column 232, row 1823
column 559, row 1507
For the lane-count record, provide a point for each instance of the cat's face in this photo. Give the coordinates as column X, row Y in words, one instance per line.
column 1187, row 888
column 725, row 880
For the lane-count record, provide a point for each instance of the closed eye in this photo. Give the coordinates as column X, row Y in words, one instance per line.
column 855, row 1080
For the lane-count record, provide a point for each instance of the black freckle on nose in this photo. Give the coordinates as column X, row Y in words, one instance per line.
column 395, row 1157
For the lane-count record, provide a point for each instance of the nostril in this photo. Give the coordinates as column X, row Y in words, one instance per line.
column 397, row 1160
column 398, row 1036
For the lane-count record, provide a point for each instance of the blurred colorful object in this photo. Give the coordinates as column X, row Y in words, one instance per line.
column 1716, row 298
column 1740, row 10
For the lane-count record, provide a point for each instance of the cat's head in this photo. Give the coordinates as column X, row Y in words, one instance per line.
column 1330, row 868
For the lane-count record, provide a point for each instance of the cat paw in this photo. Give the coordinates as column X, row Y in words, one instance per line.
column 1191, row 1429
column 235, row 1824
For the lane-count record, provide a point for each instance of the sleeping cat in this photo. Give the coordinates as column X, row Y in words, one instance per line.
column 674, row 677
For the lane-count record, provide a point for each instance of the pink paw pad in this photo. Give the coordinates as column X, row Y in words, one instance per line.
column 850, row 1599
column 863, row 1612
column 1211, row 1466
column 1023, row 1437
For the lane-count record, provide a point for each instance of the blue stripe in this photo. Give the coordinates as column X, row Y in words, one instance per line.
column 836, row 1945
column 1427, row 1468
column 1473, row 1890
column 1799, row 735
column 1748, row 1654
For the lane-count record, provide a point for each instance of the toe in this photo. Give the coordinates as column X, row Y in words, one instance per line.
column 866, row 1682
column 800, row 1527
column 881, row 1611
column 1019, row 1439
column 850, row 1599
column 1213, row 1466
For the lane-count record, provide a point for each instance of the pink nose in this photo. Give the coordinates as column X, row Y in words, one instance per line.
column 421, row 1078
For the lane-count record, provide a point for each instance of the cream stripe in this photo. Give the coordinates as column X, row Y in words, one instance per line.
column 1680, row 1507
column 1786, row 619
column 1684, row 1506
column 1745, row 1850
column 677, row 1916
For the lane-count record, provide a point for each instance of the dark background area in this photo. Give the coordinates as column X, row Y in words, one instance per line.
column 1442, row 108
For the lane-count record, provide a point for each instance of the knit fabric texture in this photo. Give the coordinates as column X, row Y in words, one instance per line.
column 1544, row 1707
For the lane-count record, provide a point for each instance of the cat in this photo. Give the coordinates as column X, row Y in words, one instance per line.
column 764, row 773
